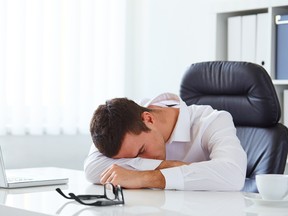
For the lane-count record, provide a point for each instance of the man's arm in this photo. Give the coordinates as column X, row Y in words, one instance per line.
column 170, row 163
column 133, row 178
column 138, row 179
column 96, row 163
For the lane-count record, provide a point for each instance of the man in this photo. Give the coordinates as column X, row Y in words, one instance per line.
column 165, row 144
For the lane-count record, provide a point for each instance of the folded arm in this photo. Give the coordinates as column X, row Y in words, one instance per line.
column 96, row 164
column 129, row 173
column 137, row 179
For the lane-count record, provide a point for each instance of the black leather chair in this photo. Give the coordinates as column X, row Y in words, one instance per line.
column 247, row 92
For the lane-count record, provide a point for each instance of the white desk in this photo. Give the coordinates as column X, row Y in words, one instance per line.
column 46, row 201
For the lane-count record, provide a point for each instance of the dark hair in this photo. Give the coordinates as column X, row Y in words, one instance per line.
column 111, row 121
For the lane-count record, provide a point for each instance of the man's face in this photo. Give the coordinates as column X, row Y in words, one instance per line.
column 149, row 144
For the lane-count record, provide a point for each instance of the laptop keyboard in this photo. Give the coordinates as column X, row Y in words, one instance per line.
column 18, row 179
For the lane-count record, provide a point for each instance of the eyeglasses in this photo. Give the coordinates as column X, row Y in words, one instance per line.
column 113, row 195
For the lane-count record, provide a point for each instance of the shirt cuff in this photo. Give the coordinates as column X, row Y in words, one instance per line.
column 174, row 178
column 144, row 164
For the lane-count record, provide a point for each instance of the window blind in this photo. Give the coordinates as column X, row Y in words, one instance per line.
column 59, row 59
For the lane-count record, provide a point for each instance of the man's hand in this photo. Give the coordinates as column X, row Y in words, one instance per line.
column 133, row 179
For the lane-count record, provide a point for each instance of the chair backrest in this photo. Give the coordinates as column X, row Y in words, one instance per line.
column 247, row 92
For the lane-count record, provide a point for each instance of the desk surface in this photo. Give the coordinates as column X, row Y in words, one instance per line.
column 46, row 201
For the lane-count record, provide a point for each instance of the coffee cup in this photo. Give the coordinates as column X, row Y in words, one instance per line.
column 272, row 186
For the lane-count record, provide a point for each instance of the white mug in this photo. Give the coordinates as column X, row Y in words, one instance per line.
column 272, row 186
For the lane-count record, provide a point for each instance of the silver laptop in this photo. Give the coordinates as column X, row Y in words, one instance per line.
column 29, row 177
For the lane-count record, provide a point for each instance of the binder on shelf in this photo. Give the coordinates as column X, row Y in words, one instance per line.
column 281, row 46
column 262, row 32
column 285, row 107
column 234, row 38
column 248, row 48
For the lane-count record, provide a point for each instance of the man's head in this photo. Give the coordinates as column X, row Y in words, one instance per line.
column 113, row 120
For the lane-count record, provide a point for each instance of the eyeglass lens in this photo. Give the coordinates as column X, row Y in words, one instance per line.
column 110, row 191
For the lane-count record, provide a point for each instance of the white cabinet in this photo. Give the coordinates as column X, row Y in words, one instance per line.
column 252, row 7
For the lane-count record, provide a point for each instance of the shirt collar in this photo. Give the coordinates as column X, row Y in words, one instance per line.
column 181, row 132
column 163, row 100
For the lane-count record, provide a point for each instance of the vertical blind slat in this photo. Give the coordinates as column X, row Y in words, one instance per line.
column 3, row 41
column 86, row 65
column 51, row 77
column 33, row 66
column 15, row 68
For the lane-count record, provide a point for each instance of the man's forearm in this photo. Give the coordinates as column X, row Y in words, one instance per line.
column 138, row 179
column 153, row 179
column 170, row 163
column 133, row 178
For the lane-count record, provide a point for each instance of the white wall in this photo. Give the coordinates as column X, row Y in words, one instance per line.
column 164, row 38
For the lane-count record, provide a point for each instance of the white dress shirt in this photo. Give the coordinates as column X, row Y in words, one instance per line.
column 204, row 137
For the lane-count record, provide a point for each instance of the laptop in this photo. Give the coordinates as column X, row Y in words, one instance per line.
column 30, row 177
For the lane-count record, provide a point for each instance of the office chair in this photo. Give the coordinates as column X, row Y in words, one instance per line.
column 247, row 92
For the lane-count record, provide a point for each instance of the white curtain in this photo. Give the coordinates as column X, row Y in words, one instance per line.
column 59, row 59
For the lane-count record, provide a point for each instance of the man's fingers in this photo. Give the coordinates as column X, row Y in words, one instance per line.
column 104, row 176
column 103, row 179
column 107, row 175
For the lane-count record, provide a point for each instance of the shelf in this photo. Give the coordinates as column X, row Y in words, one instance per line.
column 253, row 7
column 228, row 7
column 238, row 8
column 280, row 82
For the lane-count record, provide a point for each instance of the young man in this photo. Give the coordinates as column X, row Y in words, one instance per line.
column 165, row 144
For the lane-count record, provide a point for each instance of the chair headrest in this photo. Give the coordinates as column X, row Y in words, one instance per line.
column 241, row 88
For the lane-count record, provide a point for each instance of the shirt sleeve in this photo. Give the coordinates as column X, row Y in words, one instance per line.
column 225, row 170
column 96, row 163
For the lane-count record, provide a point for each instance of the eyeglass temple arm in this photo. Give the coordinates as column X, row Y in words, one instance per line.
column 62, row 194
column 83, row 197
column 73, row 196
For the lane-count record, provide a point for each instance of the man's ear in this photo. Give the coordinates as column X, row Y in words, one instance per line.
column 147, row 117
